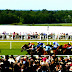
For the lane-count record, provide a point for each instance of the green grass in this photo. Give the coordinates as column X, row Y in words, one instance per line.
column 12, row 52
column 60, row 24
column 55, row 24
column 16, row 47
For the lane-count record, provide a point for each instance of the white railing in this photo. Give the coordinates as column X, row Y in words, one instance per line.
column 34, row 41
column 35, row 37
column 38, row 55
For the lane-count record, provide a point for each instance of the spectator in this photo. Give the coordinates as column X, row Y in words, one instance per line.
column 36, row 64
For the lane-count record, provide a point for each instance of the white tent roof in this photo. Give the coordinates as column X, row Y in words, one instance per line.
column 39, row 29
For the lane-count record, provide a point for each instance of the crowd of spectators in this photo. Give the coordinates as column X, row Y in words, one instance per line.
column 35, row 63
column 35, row 35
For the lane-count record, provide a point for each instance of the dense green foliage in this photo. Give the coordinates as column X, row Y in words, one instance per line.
column 35, row 17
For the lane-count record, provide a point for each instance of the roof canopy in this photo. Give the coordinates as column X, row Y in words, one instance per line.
column 38, row 29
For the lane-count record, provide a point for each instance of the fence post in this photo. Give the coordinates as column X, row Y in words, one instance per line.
column 12, row 36
column 21, row 37
column 47, row 38
column 10, row 44
column 50, row 43
column 69, row 42
column 2, row 37
column 40, row 37
column 68, row 56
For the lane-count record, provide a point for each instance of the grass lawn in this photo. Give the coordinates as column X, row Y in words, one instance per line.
column 55, row 24
column 12, row 52
column 60, row 24
column 16, row 47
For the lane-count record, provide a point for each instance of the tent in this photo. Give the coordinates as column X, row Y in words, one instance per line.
column 38, row 29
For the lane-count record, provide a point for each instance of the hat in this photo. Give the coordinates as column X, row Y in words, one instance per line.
column 44, row 59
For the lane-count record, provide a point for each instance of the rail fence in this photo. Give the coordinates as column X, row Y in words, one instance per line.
column 34, row 41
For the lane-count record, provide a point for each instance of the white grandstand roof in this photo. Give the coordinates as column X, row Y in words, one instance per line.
column 39, row 29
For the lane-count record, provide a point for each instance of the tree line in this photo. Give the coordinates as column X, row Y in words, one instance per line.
column 35, row 17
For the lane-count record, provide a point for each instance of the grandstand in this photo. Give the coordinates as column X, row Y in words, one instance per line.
column 10, row 32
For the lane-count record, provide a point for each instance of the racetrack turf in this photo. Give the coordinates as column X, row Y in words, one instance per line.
column 16, row 47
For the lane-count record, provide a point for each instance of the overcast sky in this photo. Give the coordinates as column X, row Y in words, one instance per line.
column 36, row 4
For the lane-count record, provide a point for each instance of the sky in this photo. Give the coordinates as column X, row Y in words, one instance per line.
column 36, row 4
